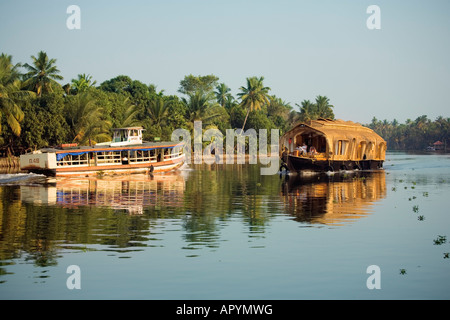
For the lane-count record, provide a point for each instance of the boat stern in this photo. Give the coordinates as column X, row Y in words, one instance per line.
column 38, row 162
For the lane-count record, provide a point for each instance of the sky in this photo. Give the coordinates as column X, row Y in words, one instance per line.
column 302, row 48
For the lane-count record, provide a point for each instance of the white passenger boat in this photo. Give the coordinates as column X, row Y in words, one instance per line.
column 126, row 153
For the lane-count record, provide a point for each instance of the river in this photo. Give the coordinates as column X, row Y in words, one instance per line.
column 228, row 232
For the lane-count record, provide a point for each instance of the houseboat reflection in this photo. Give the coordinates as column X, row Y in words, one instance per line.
column 333, row 200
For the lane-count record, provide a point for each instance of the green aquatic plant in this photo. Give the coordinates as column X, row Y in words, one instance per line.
column 425, row 194
column 420, row 218
column 402, row 271
column 416, row 208
column 440, row 240
column 446, row 255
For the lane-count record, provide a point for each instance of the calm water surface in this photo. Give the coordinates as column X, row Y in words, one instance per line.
column 226, row 232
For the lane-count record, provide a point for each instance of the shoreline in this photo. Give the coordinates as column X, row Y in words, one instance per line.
column 14, row 162
column 10, row 162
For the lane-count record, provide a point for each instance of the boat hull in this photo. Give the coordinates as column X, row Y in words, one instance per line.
column 155, row 167
column 298, row 164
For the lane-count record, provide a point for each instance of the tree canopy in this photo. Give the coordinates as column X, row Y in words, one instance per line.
column 320, row 109
column 42, row 74
column 37, row 111
column 191, row 84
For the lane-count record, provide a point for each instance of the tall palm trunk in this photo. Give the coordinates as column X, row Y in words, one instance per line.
column 245, row 120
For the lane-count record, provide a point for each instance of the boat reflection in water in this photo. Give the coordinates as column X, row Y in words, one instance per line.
column 131, row 193
column 333, row 199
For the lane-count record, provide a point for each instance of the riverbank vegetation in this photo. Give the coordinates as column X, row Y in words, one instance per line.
column 417, row 134
column 38, row 108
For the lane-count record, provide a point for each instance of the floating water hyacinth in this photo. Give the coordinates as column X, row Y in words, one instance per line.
column 440, row 240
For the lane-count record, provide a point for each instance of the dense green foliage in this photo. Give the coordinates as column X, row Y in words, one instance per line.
column 37, row 110
column 413, row 135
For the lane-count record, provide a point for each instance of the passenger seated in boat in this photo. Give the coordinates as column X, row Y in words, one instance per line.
column 304, row 149
column 299, row 150
column 124, row 160
column 312, row 151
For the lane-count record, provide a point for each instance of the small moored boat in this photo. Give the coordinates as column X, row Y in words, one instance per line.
column 331, row 145
column 126, row 153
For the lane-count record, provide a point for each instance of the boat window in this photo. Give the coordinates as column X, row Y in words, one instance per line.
column 108, row 157
column 381, row 150
column 362, row 150
column 344, row 147
column 370, row 150
column 340, row 147
column 74, row 160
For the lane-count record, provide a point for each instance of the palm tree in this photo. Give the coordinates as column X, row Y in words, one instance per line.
column 278, row 107
column 223, row 94
column 312, row 111
column 157, row 110
column 42, row 74
column 254, row 95
column 307, row 111
column 82, row 83
column 129, row 117
column 11, row 94
column 324, row 108
column 87, row 120
column 8, row 71
column 201, row 106
column 10, row 97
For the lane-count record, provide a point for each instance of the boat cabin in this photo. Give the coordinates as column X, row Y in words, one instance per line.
column 127, row 136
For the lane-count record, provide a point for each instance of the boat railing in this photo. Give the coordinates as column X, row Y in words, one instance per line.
column 109, row 158
column 142, row 156
column 116, row 157
column 173, row 155
column 73, row 161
